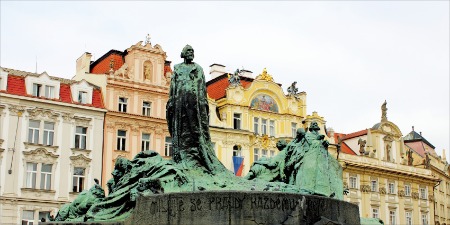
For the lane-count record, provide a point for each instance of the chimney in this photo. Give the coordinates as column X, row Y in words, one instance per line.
column 84, row 63
column 216, row 70
column 444, row 157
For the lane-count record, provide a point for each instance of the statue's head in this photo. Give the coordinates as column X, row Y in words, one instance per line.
column 281, row 144
column 300, row 134
column 314, row 126
column 121, row 167
column 187, row 53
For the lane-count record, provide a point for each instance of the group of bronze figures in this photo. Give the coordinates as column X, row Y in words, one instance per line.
column 302, row 165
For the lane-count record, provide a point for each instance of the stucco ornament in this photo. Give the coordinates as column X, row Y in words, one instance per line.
column 264, row 76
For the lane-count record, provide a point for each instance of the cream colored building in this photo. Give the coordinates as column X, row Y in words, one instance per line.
column 248, row 119
column 135, row 85
column 425, row 156
column 51, row 136
column 380, row 180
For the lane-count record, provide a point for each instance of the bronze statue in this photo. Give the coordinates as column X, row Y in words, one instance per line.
column 292, row 90
column 235, row 79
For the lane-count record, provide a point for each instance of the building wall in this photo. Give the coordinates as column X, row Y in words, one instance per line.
column 16, row 152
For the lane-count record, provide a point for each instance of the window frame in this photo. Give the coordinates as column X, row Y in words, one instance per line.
column 392, row 217
column 123, row 104
column 45, row 176
column 145, row 143
column 294, row 129
column 33, row 132
column 353, row 181
column 82, row 97
column 255, row 154
column 375, row 213
column 27, row 220
column 121, row 140
column 81, row 185
column 408, row 218
column 31, row 175
column 256, row 125
column 264, row 126
column 272, row 128
column 423, row 193
column 237, row 121
column 82, row 137
column 374, row 185
column 48, row 134
column 407, row 190
column 37, row 90
column 146, row 110
column 391, row 188
column 168, row 147
column 49, row 91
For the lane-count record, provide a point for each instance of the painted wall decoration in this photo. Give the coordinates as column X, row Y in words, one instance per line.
column 264, row 102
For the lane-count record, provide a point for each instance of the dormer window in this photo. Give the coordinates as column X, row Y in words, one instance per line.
column 82, row 97
column 37, row 89
column 49, row 91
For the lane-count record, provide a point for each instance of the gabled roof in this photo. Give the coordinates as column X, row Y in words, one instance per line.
column 102, row 64
column 216, row 87
column 16, row 86
column 414, row 136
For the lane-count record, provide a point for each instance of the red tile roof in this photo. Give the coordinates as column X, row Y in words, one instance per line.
column 102, row 65
column 216, row 87
column 354, row 134
column 344, row 147
column 16, row 86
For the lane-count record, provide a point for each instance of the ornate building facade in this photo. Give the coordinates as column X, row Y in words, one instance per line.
column 379, row 178
column 249, row 115
column 423, row 154
column 51, row 136
column 135, row 85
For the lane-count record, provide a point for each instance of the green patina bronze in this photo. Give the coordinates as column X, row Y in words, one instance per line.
column 302, row 166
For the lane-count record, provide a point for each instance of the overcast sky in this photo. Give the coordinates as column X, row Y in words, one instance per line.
column 348, row 56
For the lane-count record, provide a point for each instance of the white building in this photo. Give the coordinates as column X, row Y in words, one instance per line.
column 51, row 137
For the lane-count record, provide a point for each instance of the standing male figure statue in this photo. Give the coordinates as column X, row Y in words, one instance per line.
column 188, row 114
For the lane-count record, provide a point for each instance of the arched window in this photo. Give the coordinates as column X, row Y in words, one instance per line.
column 148, row 70
column 237, row 150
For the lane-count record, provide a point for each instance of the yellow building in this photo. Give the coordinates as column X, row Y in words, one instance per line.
column 247, row 118
column 423, row 155
column 379, row 178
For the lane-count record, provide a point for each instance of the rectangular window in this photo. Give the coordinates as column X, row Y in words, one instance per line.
column 80, row 137
column 168, row 146
column 272, row 153
column 272, row 128
column 255, row 154
column 424, row 219
column 31, row 175
column 37, row 90
column 264, row 153
column 294, row 129
column 263, row 126
column 121, row 140
column 78, row 179
column 407, row 190
column 237, row 121
column 145, row 142
column 374, row 213
column 374, row 186
column 49, row 91
column 353, row 182
column 33, row 131
column 82, row 97
column 27, row 217
column 49, row 133
column 256, row 125
column 423, row 193
column 123, row 102
column 236, row 150
column 146, row 108
column 392, row 217
column 391, row 187
column 46, row 176
column 408, row 215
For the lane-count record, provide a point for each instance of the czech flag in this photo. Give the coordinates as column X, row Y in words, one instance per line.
column 238, row 164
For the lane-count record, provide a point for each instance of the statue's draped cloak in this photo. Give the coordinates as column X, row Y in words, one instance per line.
column 188, row 117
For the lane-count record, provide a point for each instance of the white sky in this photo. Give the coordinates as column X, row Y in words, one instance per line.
column 349, row 56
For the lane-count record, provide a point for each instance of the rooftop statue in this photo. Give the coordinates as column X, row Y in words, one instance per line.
column 292, row 90
column 302, row 166
column 235, row 79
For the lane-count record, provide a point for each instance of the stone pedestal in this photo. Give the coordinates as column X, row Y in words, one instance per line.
column 239, row 207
